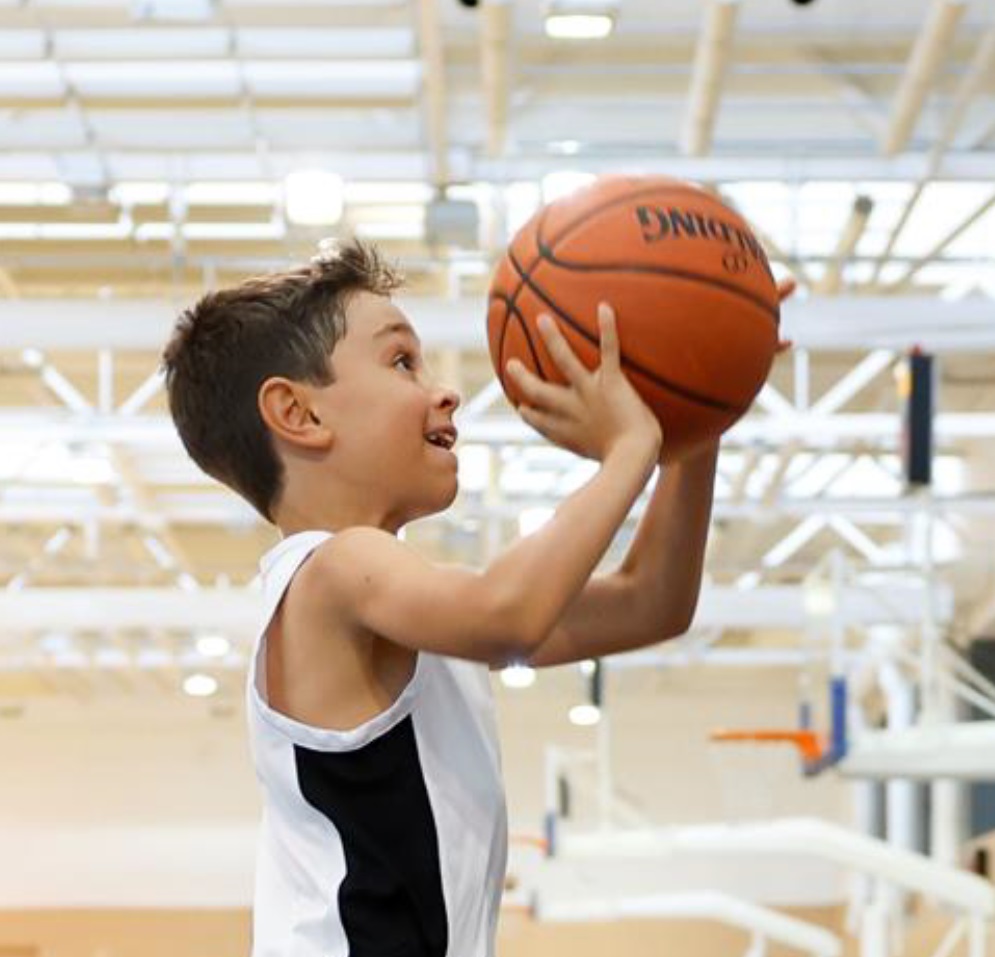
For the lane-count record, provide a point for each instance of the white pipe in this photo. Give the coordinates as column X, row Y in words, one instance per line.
column 707, row 905
column 977, row 937
column 874, row 929
column 947, row 811
column 965, row 751
column 819, row 838
column 901, row 822
column 867, row 815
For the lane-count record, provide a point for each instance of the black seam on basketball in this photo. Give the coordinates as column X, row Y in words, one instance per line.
column 528, row 340
column 502, row 332
column 549, row 256
column 512, row 310
column 513, row 307
column 682, row 391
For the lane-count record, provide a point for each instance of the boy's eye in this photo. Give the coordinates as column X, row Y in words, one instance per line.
column 407, row 362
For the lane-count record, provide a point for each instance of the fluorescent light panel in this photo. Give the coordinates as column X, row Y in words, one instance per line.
column 31, row 80
column 150, row 232
column 133, row 78
column 129, row 44
column 390, row 230
column 35, row 194
column 376, row 193
column 324, row 43
column 244, row 193
column 139, row 193
column 201, row 10
column 321, row 78
column 22, row 44
column 579, row 26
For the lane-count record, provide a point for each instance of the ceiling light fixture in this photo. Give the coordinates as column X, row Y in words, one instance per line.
column 313, row 197
column 579, row 26
column 518, row 676
column 580, row 19
column 200, row 686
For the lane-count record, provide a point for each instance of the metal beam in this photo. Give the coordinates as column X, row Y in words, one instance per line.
column 495, row 29
column 971, row 84
column 924, row 62
column 217, row 506
column 858, row 323
column 812, row 431
column 237, row 611
column 850, row 384
column 202, row 162
column 903, row 281
column 853, row 229
column 434, row 89
column 711, row 61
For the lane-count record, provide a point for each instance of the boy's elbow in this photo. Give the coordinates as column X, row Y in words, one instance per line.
column 515, row 635
column 677, row 628
column 679, row 623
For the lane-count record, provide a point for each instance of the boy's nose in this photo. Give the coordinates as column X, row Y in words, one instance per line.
column 448, row 399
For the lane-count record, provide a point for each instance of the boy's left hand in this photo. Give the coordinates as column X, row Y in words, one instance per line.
column 785, row 288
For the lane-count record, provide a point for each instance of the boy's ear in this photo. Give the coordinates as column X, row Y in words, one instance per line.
column 286, row 409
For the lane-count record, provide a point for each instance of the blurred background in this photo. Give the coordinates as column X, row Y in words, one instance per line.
column 154, row 149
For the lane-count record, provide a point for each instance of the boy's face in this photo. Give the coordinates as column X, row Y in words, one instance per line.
column 382, row 406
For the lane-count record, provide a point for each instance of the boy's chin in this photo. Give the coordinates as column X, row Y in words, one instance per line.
column 437, row 503
column 447, row 498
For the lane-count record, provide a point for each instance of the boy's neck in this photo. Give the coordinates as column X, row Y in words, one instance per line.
column 291, row 519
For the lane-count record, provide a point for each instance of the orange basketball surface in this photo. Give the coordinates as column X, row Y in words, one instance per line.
column 696, row 304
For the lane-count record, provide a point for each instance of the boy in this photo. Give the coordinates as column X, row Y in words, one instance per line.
column 373, row 735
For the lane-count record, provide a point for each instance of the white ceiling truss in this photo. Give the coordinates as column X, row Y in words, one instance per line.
column 101, row 96
column 143, row 160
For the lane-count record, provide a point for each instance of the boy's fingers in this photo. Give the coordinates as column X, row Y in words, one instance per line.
column 564, row 357
column 537, row 391
column 786, row 287
column 609, row 336
column 542, row 422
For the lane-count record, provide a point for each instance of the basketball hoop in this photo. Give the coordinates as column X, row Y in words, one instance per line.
column 811, row 746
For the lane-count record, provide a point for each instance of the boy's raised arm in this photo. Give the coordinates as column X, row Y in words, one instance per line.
column 505, row 612
column 654, row 594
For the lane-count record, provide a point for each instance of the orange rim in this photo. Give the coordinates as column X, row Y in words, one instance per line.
column 810, row 745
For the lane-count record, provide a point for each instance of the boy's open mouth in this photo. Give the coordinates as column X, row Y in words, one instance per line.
column 443, row 438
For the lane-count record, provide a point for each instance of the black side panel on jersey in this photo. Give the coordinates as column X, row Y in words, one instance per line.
column 391, row 902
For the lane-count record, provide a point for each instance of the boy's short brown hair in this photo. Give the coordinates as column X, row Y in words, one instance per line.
column 225, row 346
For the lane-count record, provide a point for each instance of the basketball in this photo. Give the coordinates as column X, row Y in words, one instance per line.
column 695, row 302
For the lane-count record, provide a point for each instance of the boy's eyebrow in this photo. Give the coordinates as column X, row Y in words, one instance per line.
column 392, row 327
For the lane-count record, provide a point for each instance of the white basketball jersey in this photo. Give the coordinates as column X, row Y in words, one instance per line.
column 386, row 840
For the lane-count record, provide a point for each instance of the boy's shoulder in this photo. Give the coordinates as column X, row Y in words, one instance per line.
column 338, row 566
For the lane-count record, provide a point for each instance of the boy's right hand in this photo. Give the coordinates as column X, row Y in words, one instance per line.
column 597, row 409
